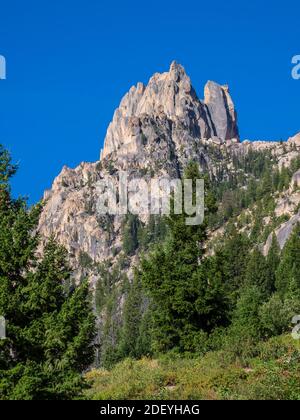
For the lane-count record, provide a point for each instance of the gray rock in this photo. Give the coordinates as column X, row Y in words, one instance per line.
column 170, row 97
column 283, row 233
column 156, row 131
column 221, row 111
column 295, row 182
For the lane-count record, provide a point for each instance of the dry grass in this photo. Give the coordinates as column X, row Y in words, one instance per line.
column 273, row 375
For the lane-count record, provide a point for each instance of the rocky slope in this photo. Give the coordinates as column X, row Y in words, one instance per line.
column 156, row 130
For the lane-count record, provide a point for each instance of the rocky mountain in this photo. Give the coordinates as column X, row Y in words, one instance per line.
column 157, row 130
column 169, row 103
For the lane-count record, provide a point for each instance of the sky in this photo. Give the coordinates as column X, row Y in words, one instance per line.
column 69, row 63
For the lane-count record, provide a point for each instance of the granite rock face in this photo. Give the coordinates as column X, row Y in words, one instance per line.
column 221, row 111
column 295, row 182
column 283, row 233
column 170, row 99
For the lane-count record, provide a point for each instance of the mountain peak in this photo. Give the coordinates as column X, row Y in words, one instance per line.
column 221, row 109
column 177, row 70
column 170, row 95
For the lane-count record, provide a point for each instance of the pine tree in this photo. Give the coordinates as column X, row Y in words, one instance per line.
column 49, row 329
column 144, row 339
column 132, row 316
column 130, row 234
column 7, row 169
column 273, row 260
column 182, row 295
column 288, row 272
column 257, row 273
column 233, row 259
column 246, row 313
column 245, row 331
column 111, row 330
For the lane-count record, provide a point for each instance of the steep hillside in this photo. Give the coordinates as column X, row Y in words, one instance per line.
column 157, row 131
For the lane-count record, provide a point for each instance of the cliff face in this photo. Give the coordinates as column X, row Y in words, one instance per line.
column 221, row 109
column 156, row 131
column 171, row 104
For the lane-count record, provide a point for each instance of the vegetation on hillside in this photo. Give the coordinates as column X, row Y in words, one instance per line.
column 187, row 305
column 190, row 323
column 273, row 374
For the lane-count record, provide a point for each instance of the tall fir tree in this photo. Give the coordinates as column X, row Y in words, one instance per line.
column 257, row 273
column 49, row 328
column 288, row 273
column 132, row 316
column 183, row 297
column 273, row 260
column 232, row 259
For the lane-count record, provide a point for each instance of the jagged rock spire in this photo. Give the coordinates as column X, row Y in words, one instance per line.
column 170, row 95
column 221, row 110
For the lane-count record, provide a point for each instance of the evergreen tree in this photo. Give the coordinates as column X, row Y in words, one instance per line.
column 257, row 273
column 183, row 296
column 130, row 234
column 7, row 170
column 144, row 339
column 49, row 329
column 131, row 320
column 110, row 331
column 266, row 185
column 232, row 259
column 288, row 273
column 246, row 314
column 245, row 332
column 273, row 260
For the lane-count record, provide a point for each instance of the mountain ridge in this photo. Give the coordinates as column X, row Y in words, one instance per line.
column 157, row 130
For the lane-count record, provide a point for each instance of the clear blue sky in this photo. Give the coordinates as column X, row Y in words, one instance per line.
column 70, row 62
